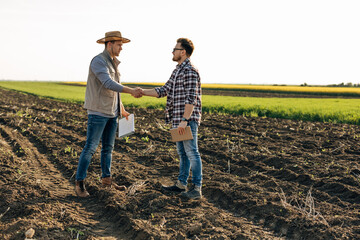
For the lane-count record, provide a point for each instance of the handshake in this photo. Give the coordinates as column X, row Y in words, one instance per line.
column 137, row 92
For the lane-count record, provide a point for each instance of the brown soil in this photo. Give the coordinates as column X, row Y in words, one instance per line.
column 263, row 178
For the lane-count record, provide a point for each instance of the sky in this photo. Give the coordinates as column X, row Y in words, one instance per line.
column 236, row 41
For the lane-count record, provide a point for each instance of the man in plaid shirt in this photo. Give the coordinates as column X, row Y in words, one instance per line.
column 183, row 108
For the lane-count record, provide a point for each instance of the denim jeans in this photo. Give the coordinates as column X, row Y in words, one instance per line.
column 98, row 128
column 190, row 158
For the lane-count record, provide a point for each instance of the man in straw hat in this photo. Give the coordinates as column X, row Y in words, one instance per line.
column 183, row 108
column 104, row 106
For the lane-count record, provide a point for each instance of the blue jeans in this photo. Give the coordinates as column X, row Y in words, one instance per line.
column 190, row 158
column 98, row 128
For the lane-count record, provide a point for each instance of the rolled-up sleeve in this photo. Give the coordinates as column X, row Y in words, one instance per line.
column 163, row 91
column 99, row 68
column 191, row 84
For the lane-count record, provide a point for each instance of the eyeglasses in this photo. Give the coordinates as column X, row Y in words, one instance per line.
column 174, row 49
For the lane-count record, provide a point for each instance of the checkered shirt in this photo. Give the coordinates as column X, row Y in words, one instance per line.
column 187, row 91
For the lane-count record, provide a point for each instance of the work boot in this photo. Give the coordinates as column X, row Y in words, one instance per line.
column 193, row 193
column 80, row 189
column 109, row 183
column 177, row 188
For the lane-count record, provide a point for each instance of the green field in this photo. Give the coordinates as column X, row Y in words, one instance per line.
column 335, row 110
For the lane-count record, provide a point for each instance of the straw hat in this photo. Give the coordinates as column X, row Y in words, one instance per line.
column 113, row 36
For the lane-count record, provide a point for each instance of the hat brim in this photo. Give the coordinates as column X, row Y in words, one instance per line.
column 108, row 39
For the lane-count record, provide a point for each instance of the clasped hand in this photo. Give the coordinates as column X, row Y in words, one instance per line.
column 137, row 92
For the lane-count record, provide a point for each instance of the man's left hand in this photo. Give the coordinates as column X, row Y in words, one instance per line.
column 181, row 127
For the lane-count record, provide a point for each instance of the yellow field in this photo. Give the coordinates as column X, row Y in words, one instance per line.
column 263, row 88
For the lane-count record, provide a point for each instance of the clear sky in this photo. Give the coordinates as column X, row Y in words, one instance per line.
column 236, row 41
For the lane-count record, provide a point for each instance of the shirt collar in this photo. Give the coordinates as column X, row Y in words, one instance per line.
column 185, row 62
column 114, row 61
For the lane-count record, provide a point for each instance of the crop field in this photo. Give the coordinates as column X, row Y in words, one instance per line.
column 264, row 178
column 335, row 110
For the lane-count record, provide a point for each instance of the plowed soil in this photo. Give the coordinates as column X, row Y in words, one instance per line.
column 263, row 178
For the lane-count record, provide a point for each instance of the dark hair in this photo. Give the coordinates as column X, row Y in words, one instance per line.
column 106, row 43
column 187, row 45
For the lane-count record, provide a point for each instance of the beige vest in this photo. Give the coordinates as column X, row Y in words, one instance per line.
column 97, row 97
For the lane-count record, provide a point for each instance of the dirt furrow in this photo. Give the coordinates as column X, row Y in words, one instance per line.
column 60, row 192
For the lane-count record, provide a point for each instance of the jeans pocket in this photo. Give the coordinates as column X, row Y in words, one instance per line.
column 96, row 120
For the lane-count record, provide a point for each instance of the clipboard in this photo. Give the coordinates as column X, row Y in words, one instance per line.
column 126, row 127
column 176, row 137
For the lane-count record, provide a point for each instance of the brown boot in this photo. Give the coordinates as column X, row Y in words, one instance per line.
column 80, row 189
column 108, row 182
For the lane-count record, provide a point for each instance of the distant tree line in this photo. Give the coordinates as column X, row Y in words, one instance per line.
column 349, row 84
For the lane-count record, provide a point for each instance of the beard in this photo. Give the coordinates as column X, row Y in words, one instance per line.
column 114, row 52
column 175, row 59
